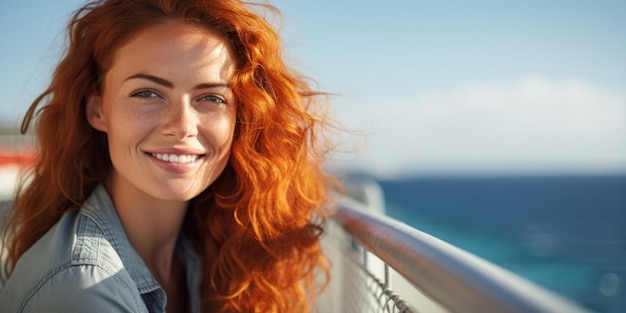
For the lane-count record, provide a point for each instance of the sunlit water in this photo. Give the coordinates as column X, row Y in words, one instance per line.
column 567, row 234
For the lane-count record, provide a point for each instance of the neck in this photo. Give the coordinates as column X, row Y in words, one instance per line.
column 152, row 227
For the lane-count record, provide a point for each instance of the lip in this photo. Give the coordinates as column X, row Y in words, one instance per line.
column 179, row 151
column 176, row 168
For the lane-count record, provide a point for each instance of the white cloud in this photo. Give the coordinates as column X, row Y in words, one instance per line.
column 532, row 124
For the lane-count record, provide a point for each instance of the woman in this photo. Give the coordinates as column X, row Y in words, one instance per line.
column 180, row 169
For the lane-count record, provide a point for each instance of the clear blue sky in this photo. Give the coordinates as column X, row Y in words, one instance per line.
column 438, row 86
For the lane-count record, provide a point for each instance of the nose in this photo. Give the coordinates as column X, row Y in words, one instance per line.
column 181, row 120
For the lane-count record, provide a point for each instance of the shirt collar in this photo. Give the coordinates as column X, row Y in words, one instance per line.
column 99, row 206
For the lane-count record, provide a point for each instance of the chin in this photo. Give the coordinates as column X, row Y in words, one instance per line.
column 177, row 193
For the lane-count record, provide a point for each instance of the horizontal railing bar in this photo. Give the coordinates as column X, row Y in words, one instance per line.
column 457, row 280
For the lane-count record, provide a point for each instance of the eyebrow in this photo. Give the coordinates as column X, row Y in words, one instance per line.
column 170, row 85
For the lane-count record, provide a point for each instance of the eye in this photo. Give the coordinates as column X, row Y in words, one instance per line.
column 145, row 93
column 213, row 98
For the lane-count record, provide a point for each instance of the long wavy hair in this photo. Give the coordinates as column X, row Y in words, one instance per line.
column 258, row 225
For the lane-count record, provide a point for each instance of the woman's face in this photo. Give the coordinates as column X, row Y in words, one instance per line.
column 168, row 111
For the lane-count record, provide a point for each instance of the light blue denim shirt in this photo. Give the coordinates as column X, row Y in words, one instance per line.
column 86, row 264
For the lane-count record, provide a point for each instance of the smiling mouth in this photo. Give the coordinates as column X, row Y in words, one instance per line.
column 176, row 158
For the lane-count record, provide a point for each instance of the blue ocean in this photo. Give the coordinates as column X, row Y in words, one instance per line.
column 567, row 233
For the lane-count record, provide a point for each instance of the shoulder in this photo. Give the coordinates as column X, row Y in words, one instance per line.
column 78, row 288
column 71, row 268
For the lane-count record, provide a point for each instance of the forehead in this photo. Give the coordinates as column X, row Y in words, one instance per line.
column 174, row 46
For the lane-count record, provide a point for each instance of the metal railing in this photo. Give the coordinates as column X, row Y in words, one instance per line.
column 448, row 278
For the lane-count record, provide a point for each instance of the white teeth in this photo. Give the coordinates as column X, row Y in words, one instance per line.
column 174, row 158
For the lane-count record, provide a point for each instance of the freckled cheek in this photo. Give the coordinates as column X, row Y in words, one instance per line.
column 125, row 113
column 129, row 128
column 219, row 131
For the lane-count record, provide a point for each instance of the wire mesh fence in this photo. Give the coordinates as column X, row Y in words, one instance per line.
column 361, row 282
column 365, row 291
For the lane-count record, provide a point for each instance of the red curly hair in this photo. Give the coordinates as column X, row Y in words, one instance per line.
column 258, row 225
